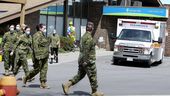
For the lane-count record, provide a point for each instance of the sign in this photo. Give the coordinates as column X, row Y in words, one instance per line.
column 53, row 10
column 83, row 30
column 135, row 25
column 101, row 39
column 129, row 59
column 159, row 12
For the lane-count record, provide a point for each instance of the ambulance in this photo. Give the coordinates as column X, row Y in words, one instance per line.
column 139, row 41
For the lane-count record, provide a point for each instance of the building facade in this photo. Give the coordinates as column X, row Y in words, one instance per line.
column 167, row 45
column 81, row 11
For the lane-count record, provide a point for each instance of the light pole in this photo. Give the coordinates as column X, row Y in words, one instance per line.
column 55, row 24
column 73, row 10
column 47, row 20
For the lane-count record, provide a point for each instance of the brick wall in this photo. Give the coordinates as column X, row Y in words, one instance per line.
column 32, row 20
column 4, row 27
column 104, row 26
column 167, row 44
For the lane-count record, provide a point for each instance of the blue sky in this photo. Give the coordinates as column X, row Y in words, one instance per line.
column 165, row 1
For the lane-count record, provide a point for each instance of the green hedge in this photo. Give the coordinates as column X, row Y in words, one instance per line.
column 66, row 44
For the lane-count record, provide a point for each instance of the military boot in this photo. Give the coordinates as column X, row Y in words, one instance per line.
column 44, row 85
column 32, row 79
column 24, row 81
column 66, row 87
column 56, row 59
column 97, row 94
column 6, row 73
column 51, row 62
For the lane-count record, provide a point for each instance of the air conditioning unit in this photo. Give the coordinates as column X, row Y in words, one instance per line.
column 125, row 3
column 137, row 3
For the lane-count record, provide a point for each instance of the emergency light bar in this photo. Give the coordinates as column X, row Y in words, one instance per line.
column 133, row 22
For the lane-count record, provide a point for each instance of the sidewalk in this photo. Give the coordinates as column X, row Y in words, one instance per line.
column 73, row 56
column 58, row 73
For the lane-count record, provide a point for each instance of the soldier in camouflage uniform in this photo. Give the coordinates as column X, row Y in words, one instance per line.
column 86, row 63
column 41, row 52
column 54, row 45
column 18, row 30
column 8, row 41
column 22, row 49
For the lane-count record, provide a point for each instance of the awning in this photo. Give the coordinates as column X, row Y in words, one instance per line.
column 11, row 11
column 13, row 1
column 154, row 12
column 149, row 3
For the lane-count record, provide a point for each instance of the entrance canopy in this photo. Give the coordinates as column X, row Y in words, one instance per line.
column 13, row 1
column 10, row 9
column 155, row 12
column 149, row 3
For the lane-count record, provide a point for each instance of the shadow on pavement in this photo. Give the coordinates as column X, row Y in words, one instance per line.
column 19, row 79
column 79, row 93
column 34, row 86
column 135, row 64
column 42, row 94
column 1, row 74
column 155, row 64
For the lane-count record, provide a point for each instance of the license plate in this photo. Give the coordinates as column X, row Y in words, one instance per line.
column 129, row 59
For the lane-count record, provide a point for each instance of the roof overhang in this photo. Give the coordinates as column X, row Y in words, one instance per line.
column 14, row 11
column 150, row 12
column 13, row 1
column 149, row 3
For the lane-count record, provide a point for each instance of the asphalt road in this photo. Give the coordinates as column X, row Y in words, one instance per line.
column 124, row 79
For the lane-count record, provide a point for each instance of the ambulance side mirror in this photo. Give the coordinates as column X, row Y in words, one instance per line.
column 112, row 36
column 153, row 41
column 160, row 40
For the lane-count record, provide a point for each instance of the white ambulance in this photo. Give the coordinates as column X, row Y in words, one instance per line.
column 139, row 41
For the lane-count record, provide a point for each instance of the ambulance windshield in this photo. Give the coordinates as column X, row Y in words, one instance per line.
column 135, row 35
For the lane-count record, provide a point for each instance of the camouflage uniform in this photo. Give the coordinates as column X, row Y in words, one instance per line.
column 54, row 45
column 19, row 33
column 22, row 48
column 86, row 61
column 8, row 41
column 41, row 53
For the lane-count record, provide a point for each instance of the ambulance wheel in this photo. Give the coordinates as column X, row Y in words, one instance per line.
column 160, row 61
column 115, row 61
column 148, row 64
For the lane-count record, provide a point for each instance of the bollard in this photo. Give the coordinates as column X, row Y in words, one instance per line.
column 0, row 58
column 8, row 86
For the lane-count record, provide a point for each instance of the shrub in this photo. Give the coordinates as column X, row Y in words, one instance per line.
column 66, row 44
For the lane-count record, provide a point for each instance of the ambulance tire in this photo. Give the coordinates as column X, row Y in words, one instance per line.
column 160, row 61
column 148, row 64
column 115, row 61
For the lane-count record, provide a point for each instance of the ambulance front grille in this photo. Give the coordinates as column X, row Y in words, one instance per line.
column 130, row 49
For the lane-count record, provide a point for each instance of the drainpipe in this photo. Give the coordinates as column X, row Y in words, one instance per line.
column 65, row 18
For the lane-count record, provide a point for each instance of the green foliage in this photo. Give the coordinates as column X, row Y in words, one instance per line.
column 60, row 50
column 66, row 44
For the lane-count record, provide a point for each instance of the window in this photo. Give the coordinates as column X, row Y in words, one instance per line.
column 135, row 35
